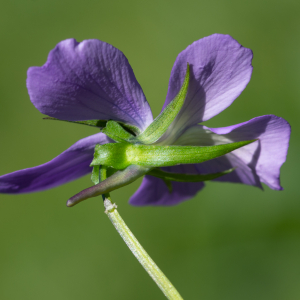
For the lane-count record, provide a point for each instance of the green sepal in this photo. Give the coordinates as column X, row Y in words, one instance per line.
column 95, row 177
column 111, row 171
column 161, row 123
column 116, row 132
column 112, row 155
column 99, row 174
column 168, row 183
column 167, row 176
column 93, row 123
column 121, row 155
column 130, row 128
column 99, row 124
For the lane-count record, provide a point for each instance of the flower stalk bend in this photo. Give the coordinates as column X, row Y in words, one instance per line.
column 139, row 252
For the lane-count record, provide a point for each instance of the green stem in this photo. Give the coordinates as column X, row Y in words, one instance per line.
column 139, row 252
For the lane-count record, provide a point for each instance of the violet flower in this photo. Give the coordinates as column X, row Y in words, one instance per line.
column 92, row 80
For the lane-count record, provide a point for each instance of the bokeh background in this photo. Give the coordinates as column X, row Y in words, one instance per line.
column 230, row 241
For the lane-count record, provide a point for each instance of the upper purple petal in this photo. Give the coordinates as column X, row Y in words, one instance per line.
column 153, row 190
column 257, row 162
column 69, row 165
column 220, row 69
column 91, row 80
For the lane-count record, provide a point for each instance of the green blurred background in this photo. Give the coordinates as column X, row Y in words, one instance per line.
column 229, row 242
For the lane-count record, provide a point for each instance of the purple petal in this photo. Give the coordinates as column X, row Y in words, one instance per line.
column 257, row 162
column 153, row 191
column 86, row 81
column 69, row 165
column 220, row 69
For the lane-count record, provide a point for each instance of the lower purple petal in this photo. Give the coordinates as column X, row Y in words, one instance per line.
column 257, row 162
column 244, row 173
column 153, row 190
column 69, row 165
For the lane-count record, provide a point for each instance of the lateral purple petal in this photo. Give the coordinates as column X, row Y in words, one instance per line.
column 257, row 162
column 153, row 191
column 220, row 69
column 69, row 165
column 91, row 80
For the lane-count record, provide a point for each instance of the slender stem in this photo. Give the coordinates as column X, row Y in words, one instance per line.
column 135, row 247
column 102, row 177
column 139, row 252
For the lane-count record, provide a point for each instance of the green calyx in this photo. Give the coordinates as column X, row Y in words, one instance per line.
column 168, row 177
column 100, row 173
column 116, row 132
column 121, row 155
column 95, row 177
column 162, row 122
column 100, row 124
column 186, row 177
column 92, row 123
